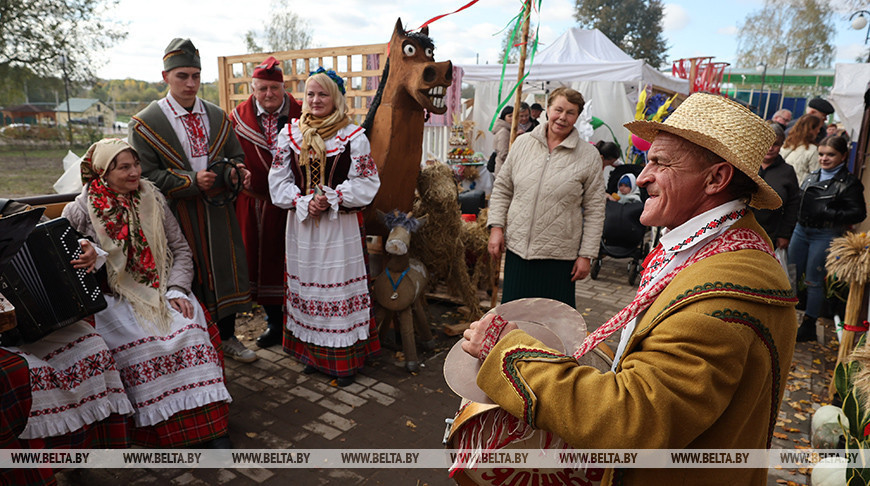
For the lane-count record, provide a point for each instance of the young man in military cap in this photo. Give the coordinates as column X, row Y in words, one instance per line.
column 257, row 122
column 178, row 138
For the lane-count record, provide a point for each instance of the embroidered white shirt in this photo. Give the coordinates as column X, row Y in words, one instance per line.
column 679, row 245
column 175, row 113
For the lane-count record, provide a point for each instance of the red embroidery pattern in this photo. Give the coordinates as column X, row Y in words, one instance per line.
column 64, row 408
column 731, row 240
column 148, row 339
column 364, row 165
column 330, row 331
column 329, row 309
column 660, row 259
column 280, row 154
column 195, row 134
column 491, row 336
column 195, row 129
column 43, row 378
column 325, row 286
column 154, row 368
column 168, row 393
column 270, row 130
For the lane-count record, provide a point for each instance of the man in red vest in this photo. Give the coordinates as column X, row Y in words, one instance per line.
column 257, row 122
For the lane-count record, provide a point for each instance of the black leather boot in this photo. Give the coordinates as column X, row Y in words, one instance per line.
column 807, row 329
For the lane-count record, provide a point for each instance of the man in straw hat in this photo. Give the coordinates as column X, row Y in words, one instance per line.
column 709, row 337
column 177, row 138
column 257, row 122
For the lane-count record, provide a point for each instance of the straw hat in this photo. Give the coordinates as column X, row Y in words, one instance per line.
column 725, row 128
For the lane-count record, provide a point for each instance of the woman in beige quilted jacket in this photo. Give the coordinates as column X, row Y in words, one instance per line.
column 547, row 206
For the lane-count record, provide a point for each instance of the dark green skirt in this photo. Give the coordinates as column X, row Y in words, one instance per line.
column 537, row 278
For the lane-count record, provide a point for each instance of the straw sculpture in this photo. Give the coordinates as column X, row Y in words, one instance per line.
column 475, row 237
column 438, row 244
column 849, row 260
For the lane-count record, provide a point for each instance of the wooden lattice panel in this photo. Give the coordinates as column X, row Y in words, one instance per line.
column 360, row 66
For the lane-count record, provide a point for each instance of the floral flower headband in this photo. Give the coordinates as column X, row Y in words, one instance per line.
column 332, row 75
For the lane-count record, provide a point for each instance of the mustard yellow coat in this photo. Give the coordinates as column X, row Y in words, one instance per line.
column 705, row 368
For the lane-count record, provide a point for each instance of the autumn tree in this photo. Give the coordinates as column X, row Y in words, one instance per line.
column 284, row 31
column 35, row 33
column 633, row 25
column 803, row 28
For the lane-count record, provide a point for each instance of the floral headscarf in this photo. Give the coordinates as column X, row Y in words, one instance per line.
column 130, row 228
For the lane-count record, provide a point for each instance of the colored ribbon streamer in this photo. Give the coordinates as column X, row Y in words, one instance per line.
column 433, row 19
column 534, row 49
column 863, row 327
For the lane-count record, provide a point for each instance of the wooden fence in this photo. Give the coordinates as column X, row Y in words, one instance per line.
column 360, row 66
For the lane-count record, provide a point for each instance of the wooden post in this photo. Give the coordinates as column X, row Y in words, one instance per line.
column 496, row 264
column 521, row 69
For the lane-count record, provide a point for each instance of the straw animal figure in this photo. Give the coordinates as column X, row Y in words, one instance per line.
column 849, row 260
column 399, row 291
column 475, row 237
column 439, row 244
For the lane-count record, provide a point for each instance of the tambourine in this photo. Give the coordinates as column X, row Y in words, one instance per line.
column 481, row 425
column 233, row 189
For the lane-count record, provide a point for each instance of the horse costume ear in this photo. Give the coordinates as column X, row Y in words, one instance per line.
column 399, row 29
column 422, row 220
column 425, row 31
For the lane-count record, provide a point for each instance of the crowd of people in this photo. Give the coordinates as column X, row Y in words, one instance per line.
column 735, row 194
column 179, row 262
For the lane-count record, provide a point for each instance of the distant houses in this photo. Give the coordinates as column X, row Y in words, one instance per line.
column 85, row 111
column 28, row 114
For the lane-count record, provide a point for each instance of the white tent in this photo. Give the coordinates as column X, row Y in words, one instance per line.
column 585, row 60
column 847, row 95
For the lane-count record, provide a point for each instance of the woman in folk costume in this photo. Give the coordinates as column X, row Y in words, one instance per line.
column 155, row 329
column 324, row 172
column 62, row 391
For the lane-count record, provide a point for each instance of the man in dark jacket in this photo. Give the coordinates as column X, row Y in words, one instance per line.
column 779, row 223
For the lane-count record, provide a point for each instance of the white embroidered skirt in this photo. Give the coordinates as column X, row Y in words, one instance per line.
column 163, row 375
column 74, row 382
column 328, row 301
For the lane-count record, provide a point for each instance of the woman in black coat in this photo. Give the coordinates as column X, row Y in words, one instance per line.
column 831, row 200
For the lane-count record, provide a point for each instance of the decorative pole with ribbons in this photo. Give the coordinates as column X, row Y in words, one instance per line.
column 849, row 260
column 527, row 13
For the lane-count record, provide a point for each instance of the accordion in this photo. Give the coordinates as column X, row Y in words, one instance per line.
column 47, row 292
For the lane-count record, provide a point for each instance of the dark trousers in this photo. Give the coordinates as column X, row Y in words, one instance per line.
column 274, row 316
column 227, row 327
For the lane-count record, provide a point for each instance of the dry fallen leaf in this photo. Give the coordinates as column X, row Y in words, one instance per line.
column 780, row 435
column 251, row 435
column 410, row 424
column 800, row 416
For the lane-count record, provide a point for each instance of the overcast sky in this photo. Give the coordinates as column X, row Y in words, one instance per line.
column 691, row 28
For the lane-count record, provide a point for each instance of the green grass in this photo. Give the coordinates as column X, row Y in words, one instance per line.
column 29, row 172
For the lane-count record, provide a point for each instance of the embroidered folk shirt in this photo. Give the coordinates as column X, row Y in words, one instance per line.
column 192, row 133
column 679, row 245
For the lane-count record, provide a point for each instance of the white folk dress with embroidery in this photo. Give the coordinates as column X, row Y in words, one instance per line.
column 162, row 374
column 327, row 298
column 73, row 380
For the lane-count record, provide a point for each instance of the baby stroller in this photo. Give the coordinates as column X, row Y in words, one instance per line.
column 623, row 236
